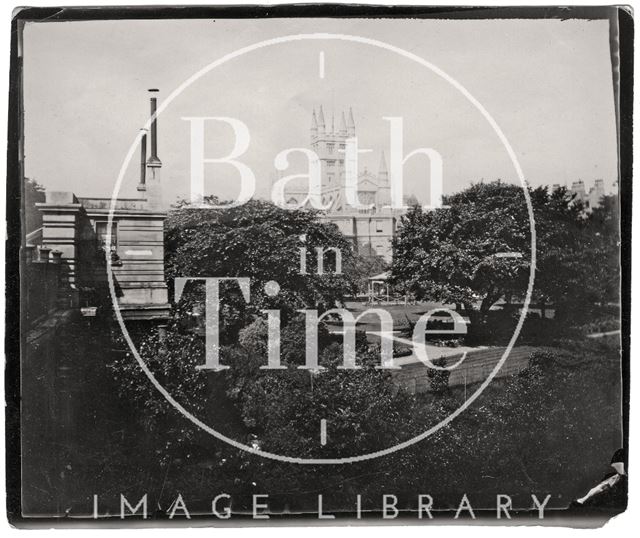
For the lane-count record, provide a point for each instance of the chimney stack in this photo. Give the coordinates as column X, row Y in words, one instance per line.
column 152, row 179
column 153, row 159
column 143, row 163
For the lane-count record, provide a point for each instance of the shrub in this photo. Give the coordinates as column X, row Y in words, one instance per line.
column 439, row 379
column 542, row 359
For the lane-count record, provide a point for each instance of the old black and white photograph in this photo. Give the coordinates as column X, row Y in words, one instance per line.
column 318, row 265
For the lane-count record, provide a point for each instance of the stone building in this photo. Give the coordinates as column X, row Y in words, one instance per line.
column 590, row 199
column 75, row 235
column 371, row 230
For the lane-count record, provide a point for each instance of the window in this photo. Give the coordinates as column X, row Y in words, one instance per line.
column 379, row 227
column 330, row 148
column 101, row 235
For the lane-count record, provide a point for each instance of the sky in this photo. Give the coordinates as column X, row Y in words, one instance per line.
column 546, row 83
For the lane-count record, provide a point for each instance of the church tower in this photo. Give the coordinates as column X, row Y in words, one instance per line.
column 372, row 226
column 329, row 144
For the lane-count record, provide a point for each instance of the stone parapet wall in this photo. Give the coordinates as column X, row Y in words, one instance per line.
column 475, row 368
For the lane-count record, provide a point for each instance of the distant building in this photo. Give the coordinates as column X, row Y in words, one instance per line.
column 590, row 199
column 370, row 230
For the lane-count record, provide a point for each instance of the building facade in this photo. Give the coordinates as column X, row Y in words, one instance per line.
column 75, row 235
column 371, row 230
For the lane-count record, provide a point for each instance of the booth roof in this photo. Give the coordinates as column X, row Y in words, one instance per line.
column 381, row 276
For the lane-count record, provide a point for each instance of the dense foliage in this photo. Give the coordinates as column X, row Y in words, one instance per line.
column 263, row 242
column 544, row 430
column 34, row 193
column 477, row 249
column 550, row 429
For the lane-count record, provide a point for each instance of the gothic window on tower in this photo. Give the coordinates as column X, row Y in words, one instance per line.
column 330, row 148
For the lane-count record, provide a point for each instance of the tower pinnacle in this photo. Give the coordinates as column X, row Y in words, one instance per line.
column 383, row 196
column 351, row 124
column 382, row 170
column 343, row 125
column 321, row 125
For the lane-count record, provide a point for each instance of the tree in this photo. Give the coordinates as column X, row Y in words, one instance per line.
column 505, row 432
column 172, row 359
column 364, row 267
column 478, row 249
column 33, row 193
column 453, row 254
column 579, row 254
column 603, row 236
column 285, row 408
column 263, row 242
column 259, row 241
column 562, row 247
column 439, row 379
